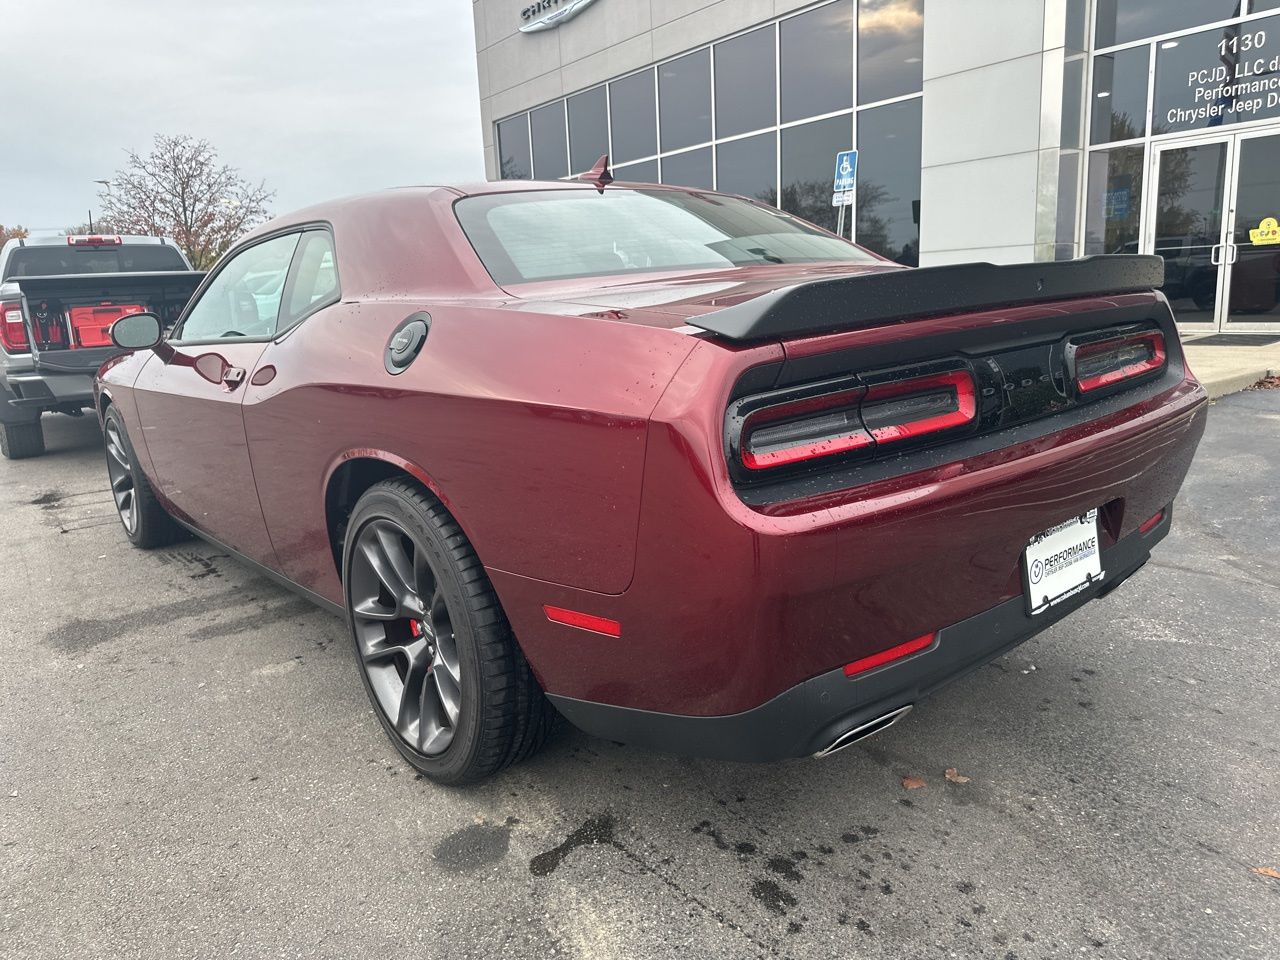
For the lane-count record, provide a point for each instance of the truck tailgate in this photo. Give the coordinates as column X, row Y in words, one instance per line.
column 81, row 297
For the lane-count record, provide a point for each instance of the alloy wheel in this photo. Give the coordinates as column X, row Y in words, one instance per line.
column 404, row 635
column 120, row 473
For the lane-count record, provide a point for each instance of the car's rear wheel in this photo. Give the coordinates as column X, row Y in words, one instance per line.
column 21, row 440
column 145, row 522
column 444, row 673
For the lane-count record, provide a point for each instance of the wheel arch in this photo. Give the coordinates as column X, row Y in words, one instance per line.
column 355, row 472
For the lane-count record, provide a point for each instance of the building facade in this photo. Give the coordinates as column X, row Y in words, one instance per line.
column 1000, row 130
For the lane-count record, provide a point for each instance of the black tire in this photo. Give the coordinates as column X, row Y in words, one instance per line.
column 501, row 714
column 145, row 522
column 21, row 440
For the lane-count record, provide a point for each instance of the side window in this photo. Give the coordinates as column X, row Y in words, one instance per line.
column 243, row 300
column 315, row 276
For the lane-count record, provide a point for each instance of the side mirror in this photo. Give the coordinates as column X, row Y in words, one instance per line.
column 137, row 331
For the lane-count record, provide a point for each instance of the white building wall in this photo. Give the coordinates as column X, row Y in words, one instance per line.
column 991, row 132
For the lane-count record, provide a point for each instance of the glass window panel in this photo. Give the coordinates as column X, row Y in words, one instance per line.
column 749, row 167
column 1072, row 102
column 1120, row 21
column 746, row 83
column 684, row 98
column 1255, row 279
column 1113, row 200
column 1217, row 77
column 1120, row 95
column 1260, row 5
column 550, row 150
column 1077, row 33
column 1189, row 194
column 817, row 61
column 548, row 234
column 588, row 129
column 644, row 172
column 634, row 111
column 243, row 299
column 890, row 48
column 692, row 169
column 808, row 167
column 1068, row 194
column 513, row 149
column 888, row 186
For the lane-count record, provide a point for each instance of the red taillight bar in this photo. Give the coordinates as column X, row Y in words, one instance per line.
column 93, row 240
column 807, row 449
column 888, row 656
column 1153, row 339
column 583, row 621
column 966, row 404
column 13, row 332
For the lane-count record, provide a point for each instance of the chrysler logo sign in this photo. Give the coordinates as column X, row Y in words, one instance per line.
column 548, row 14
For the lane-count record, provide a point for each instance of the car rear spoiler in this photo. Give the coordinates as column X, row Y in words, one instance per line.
column 870, row 299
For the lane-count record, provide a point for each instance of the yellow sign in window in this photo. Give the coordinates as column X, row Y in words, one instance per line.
column 1268, row 231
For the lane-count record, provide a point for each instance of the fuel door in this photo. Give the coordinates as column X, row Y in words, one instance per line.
column 406, row 341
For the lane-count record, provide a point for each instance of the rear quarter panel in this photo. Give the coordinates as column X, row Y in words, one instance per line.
column 531, row 428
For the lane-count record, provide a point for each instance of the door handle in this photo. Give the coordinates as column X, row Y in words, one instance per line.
column 1215, row 256
column 1234, row 252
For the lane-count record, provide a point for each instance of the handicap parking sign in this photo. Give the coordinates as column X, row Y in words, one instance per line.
column 846, row 170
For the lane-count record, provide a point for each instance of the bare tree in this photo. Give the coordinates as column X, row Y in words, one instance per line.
column 180, row 190
column 12, row 233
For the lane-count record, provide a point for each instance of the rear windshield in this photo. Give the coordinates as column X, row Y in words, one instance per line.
column 556, row 234
column 56, row 260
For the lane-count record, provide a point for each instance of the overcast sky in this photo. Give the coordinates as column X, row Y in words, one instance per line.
column 320, row 98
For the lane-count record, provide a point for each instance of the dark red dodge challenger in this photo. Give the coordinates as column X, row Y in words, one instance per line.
column 690, row 471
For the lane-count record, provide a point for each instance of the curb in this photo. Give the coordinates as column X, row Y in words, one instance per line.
column 1234, row 382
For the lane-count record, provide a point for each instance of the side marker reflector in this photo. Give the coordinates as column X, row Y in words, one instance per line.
column 888, row 656
column 583, row 621
column 1152, row 523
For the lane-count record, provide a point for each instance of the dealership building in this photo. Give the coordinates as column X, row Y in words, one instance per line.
column 999, row 130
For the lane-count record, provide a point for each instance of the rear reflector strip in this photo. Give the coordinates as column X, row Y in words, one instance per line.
column 1151, row 523
column 583, row 621
column 888, row 656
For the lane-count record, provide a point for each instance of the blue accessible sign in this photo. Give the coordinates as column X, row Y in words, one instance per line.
column 846, row 174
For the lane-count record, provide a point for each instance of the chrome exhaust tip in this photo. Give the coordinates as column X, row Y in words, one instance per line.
column 883, row 722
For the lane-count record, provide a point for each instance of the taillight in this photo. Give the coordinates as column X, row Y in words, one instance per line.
column 850, row 415
column 1104, row 363
column 803, row 429
column 93, row 240
column 13, row 332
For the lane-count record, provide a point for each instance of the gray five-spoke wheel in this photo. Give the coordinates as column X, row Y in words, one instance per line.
column 120, row 473
column 404, row 636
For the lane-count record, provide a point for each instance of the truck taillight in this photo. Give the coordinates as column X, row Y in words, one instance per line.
column 93, row 240
column 1104, row 363
column 852, row 415
column 13, row 332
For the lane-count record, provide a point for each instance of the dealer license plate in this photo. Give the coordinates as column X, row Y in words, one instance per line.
column 1062, row 561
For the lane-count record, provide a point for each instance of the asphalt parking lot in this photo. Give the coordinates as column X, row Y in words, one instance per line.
column 190, row 768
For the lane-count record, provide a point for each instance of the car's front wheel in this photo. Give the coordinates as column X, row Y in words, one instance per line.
column 447, row 680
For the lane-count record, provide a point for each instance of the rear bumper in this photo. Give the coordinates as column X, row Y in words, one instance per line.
column 807, row 718
column 26, row 394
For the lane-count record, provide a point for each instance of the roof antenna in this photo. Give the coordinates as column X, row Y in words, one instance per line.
column 599, row 174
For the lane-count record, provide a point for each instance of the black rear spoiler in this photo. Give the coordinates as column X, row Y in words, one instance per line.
column 104, row 284
column 869, row 299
